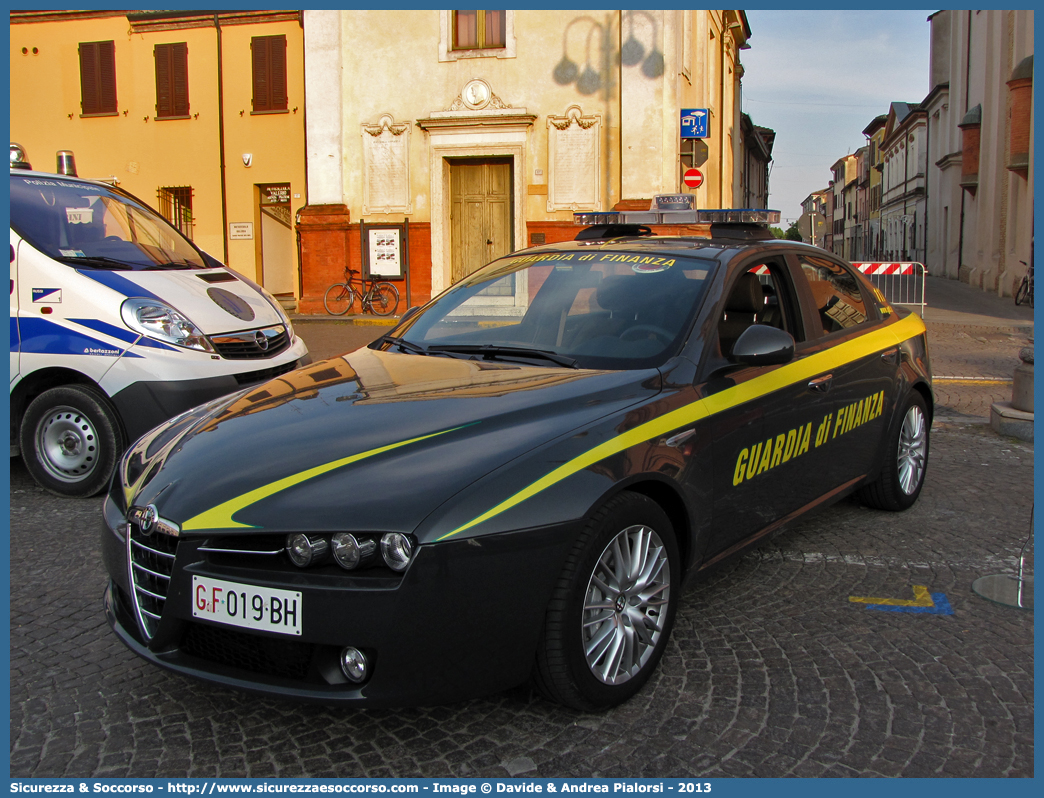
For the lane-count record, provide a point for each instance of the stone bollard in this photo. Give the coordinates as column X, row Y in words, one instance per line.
column 1022, row 390
column 1015, row 418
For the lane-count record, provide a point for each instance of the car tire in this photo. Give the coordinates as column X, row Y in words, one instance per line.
column 902, row 477
column 632, row 625
column 70, row 440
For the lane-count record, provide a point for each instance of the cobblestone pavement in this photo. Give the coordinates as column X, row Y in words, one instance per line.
column 771, row 670
column 973, row 366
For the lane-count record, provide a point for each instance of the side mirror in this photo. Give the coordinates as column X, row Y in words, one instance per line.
column 760, row 345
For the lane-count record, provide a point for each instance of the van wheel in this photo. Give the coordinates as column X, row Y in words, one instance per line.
column 71, row 440
column 610, row 616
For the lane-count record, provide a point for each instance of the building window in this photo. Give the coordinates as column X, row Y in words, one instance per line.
column 171, row 80
column 97, row 78
column 175, row 204
column 268, row 54
column 479, row 30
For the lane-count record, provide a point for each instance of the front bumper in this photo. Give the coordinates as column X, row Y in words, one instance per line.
column 463, row 621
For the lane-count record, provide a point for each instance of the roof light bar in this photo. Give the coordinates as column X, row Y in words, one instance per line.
column 713, row 216
column 743, row 215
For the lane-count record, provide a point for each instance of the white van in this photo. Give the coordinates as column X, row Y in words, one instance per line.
column 118, row 322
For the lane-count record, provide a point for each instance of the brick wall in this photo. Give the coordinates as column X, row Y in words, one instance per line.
column 329, row 240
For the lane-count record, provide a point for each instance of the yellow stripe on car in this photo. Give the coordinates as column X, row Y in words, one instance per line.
column 220, row 517
column 793, row 372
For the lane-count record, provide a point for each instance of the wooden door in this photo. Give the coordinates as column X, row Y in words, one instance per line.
column 480, row 213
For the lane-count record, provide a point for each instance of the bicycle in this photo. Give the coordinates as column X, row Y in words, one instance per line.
column 1025, row 289
column 379, row 298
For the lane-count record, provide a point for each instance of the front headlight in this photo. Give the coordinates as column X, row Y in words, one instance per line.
column 155, row 319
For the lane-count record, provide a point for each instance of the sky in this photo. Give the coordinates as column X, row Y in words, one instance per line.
column 818, row 78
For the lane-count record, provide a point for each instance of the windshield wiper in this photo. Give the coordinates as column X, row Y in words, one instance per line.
column 493, row 351
column 403, row 344
column 96, row 261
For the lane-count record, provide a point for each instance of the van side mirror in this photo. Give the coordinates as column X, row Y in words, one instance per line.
column 761, row 345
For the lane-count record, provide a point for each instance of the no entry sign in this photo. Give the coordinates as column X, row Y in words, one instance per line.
column 693, row 178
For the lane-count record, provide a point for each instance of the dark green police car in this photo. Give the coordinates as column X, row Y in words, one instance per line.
column 518, row 480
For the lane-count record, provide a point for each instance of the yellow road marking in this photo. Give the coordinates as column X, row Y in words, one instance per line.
column 921, row 599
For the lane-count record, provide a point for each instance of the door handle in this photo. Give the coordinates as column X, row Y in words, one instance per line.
column 891, row 356
column 489, row 243
column 821, row 384
column 677, row 440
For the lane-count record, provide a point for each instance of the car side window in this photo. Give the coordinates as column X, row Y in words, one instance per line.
column 836, row 294
column 760, row 295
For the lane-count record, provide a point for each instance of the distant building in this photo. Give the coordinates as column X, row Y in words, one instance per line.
column 980, row 162
column 845, row 172
column 874, row 133
column 904, row 179
column 814, row 223
column 755, row 164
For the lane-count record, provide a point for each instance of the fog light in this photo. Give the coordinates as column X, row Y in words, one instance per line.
column 354, row 664
column 396, row 550
column 305, row 551
column 348, row 551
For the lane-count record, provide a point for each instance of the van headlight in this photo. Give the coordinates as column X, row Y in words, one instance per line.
column 278, row 308
column 155, row 319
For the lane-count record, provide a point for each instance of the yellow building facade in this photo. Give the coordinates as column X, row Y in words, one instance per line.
column 192, row 140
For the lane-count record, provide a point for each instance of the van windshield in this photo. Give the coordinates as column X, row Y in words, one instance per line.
column 89, row 225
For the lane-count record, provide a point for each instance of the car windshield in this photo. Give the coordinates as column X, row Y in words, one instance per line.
column 612, row 310
column 88, row 225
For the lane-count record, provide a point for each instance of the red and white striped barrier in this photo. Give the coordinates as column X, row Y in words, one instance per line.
column 901, row 283
column 887, row 268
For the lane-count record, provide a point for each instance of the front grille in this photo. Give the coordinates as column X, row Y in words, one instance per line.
column 289, row 659
column 151, row 559
column 264, row 375
column 246, row 346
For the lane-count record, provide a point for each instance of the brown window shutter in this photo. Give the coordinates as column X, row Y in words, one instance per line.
column 269, row 72
column 179, row 61
column 171, row 80
column 107, row 77
column 259, row 46
column 164, row 102
column 277, row 72
column 97, row 78
column 89, row 77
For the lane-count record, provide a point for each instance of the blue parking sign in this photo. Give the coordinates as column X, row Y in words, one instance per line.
column 694, row 123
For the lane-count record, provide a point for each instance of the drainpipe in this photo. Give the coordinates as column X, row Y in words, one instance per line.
column 221, row 141
column 967, row 75
column 721, row 95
